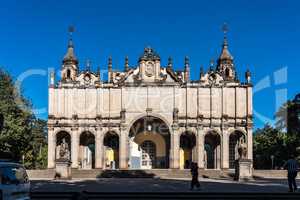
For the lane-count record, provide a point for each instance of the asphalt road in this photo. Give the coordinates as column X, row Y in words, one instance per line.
column 156, row 185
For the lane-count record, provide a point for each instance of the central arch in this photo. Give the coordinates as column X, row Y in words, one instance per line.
column 149, row 143
column 212, row 150
column 187, row 149
column 87, row 150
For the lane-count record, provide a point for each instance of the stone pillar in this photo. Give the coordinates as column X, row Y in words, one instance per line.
column 74, row 147
column 200, row 147
column 51, row 148
column 99, row 149
column 174, row 148
column 225, row 150
column 123, row 149
column 250, row 144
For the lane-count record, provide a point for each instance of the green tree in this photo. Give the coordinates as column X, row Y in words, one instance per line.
column 22, row 133
column 269, row 141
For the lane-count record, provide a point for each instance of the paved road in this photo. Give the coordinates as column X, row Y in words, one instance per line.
column 153, row 185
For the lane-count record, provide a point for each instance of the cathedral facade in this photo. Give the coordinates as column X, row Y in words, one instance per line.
column 149, row 116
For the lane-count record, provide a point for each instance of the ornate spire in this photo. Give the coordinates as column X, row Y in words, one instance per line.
column 187, row 68
column 248, row 76
column 225, row 55
column 211, row 65
column 201, row 71
column 70, row 57
column 126, row 64
column 109, row 64
column 170, row 63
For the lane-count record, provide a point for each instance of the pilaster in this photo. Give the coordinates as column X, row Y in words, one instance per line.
column 74, row 146
column 51, row 147
column 200, row 146
column 123, row 147
column 174, row 149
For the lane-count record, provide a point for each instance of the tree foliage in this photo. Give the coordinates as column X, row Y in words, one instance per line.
column 22, row 134
column 282, row 141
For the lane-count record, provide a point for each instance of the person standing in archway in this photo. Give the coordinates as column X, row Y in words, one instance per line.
column 195, row 174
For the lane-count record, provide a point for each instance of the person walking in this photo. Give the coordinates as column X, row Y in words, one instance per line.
column 194, row 173
column 292, row 168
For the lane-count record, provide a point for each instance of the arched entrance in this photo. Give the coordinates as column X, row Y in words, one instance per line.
column 87, row 151
column 187, row 149
column 111, row 150
column 235, row 139
column 212, row 150
column 63, row 141
column 149, row 143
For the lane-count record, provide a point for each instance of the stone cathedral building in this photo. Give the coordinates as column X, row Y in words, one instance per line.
column 150, row 116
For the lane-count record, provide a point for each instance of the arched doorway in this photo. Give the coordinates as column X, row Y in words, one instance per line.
column 235, row 139
column 187, row 149
column 212, row 150
column 111, row 150
column 63, row 141
column 149, row 143
column 87, row 151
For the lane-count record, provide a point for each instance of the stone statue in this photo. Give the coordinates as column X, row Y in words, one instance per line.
column 242, row 150
column 64, row 152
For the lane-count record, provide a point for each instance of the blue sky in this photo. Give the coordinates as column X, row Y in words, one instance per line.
column 263, row 36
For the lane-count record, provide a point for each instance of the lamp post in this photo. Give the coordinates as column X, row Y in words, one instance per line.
column 272, row 159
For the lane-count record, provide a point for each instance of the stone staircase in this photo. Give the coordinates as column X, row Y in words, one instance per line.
column 154, row 173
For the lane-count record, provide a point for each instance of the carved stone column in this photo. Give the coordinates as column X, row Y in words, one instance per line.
column 51, row 148
column 123, row 162
column 225, row 149
column 174, row 151
column 74, row 147
column 99, row 149
column 200, row 147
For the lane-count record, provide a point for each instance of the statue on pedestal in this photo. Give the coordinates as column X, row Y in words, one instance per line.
column 63, row 150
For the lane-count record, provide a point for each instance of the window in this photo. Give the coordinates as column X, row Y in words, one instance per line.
column 68, row 74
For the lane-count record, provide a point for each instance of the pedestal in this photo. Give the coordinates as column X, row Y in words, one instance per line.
column 63, row 169
column 243, row 169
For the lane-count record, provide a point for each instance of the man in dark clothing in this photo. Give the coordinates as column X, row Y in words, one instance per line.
column 194, row 172
column 292, row 167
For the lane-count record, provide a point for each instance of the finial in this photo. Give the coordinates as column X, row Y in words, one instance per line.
column 71, row 31
column 211, row 65
column 52, row 78
column 248, row 76
column 110, row 64
column 126, row 64
column 88, row 65
column 170, row 63
column 201, row 71
column 225, row 31
column 186, row 60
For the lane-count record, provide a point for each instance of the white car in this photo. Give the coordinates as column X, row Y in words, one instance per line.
column 14, row 182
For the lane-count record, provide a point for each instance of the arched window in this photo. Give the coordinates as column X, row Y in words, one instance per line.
column 227, row 72
column 68, row 74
